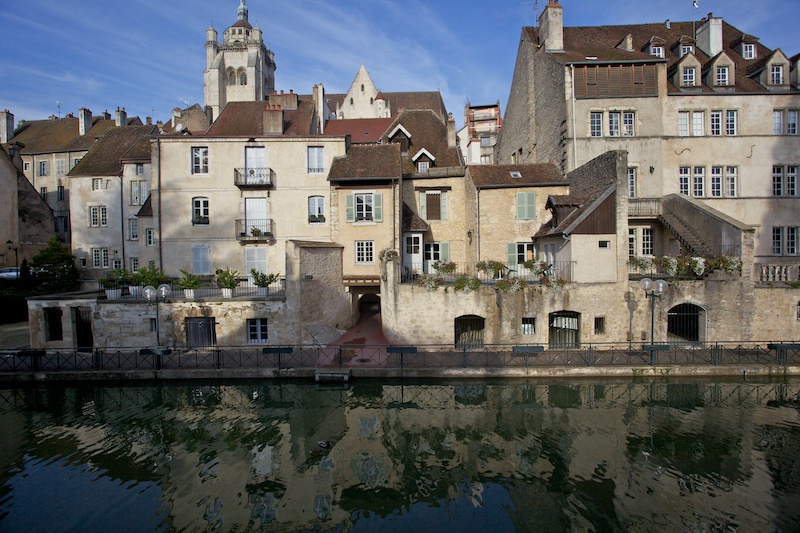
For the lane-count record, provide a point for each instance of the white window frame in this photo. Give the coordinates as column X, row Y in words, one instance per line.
column 647, row 242
column 688, row 79
column 632, row 242
column 257, row 331
column 777, row 121
column 628, row 124
column 316, row 159
column 364, row 206
column 699, row 182
column 698, row 123
column 199, row 160
column 316, row 208
column 596, row 124
column 777, row 180
column 731, row 181
column 731, row 122
column 201, row 259
column 683, row 123
column 686, row 49
column 100, row 258
column 201, row 210
column 716, row 123
column 791, row 121
column 365, row 252
column 722, row 76
column 749, row 51
column 716, row 182
column 98, row 216
column 134, row 264
column 777, row 240
column 97, row 184
column 423, row 167
column 631, row 182
column 133, row 229
column 149, row 237
column 140, row 169
column 657, row 51
column 684, row 173
column 614, row 124
column 776, row 74
column 791, row 180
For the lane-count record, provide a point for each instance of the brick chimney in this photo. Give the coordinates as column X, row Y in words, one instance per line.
column 84, row 121
column 6, row 125
column 272, row 120
column 122, row 117
column 551, row 27
column 709, row 36
column 106, row 115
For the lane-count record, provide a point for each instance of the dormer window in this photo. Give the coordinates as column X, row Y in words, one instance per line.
column 686, row 49
column 423, row 166
column 657, row 51
column 749, row 51
column 776, row 74
column 722, row 76
column 688, row 77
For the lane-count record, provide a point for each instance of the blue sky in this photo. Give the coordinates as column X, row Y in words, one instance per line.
column 148, row 55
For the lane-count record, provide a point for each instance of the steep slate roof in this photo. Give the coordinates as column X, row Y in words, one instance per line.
column 246, row 119
column 103, row 159
column 138, row 153
column 61, row 134
column 367, row 162
column 581, row 42
column 401, row 100
column 428, row 131
column 499, row 176
column 361, row 130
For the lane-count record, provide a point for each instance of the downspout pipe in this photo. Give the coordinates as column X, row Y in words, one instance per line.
column 160, row 237
column 574, row 133
column 122, row 215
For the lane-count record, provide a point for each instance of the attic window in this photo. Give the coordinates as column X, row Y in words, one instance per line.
column 515, row 174
column 749, row 51
column 591, row 58
column 686, row 49
column 657, row 51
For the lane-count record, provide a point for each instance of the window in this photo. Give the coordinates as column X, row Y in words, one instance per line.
column 60, row 165
column 519, row 252
column 791, row 122
column 730, row 122
column 787, row 246
column 98, row 216
column 777, row 122
column 526, row 205
column 139, row 169
column 731, row 182
column 316, row 209
column 61, row 193
column 433, row 205
column 44, row 168
column 134, row 264
column 365, row 252
column 749, row 51
column 97, row 184
column 647, row 241
column 315, row 160
column 436, row 251
column 688, row 77
column 201, row 332
column 596, row 124
column 133, row 229
column 201, row 260
column 632, row 242
column 628, row 124
column 257, row 330
column 231, row 77
column 139, row 191
column 777, row 180
column 100, row 258
column 599, row 325
column 529, row 325
column 699, row 181
column 777, row 241
column 423, row 166
column 686, row 49
column 43, row 192
column 683, row 123
column 116, row 264
column 722, row 76
column 53, row 322
column 26, row 166
column 199, row 160
column 791, row 180
column 657, row 51
column 242, row 77
column 76, row 161
column 716, row 182
column 776, row 74
column 62, row 224
column 698, row 126
column 200, row 210
column 604, row 244
column 683, row 180
column 631, row 182
column 149, row 237
column 791, row 241
column 486, row 141
column 613, row 124
column 716, row 123
column 364, row 207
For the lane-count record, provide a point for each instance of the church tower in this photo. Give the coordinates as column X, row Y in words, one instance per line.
column 240, row 69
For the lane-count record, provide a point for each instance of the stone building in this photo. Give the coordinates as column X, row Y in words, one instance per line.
column 479, row 135
column 704, row 111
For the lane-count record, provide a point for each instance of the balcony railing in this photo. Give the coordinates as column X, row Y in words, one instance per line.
column 777, row 272
column 644, row 207
column 253, row 177
column 562, row 270
column 254, row 229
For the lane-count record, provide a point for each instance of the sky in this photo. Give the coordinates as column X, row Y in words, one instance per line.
column 148, row 56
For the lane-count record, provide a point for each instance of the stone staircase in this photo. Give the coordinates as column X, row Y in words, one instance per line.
column 690, row 242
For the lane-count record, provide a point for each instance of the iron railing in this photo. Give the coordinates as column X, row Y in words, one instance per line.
column 209, row 289
column 254, row 229
column 253, row 177
column 395, row 357
column 562, row 270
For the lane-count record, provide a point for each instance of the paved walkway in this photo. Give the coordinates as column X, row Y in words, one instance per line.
column 14, row 335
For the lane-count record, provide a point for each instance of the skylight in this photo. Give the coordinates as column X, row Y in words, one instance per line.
column 515, row 174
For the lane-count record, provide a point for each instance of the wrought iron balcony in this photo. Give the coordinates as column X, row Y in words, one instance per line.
column 254, row 229
column 253, row 177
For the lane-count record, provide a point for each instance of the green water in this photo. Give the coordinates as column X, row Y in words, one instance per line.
column 403, row 456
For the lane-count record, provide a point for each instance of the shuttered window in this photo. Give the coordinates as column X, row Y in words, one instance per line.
column 601, row 81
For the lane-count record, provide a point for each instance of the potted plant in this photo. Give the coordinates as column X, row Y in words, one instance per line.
column 113, row 282
column 188, row 282
column 263, row 280
column 227, row 280
column 255, row 232
column 492, row 269
column 151, row 275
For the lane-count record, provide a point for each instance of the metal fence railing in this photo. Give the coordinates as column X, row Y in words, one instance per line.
column 398, row 357
column 208, row 289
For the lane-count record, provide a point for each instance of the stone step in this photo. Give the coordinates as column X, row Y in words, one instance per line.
column 684, row 234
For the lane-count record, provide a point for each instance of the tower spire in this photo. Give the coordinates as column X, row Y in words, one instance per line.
column 242, row 11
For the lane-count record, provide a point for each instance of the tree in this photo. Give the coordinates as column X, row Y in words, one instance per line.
column 54, row 268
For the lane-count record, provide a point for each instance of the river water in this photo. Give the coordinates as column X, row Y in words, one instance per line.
column 593, row 455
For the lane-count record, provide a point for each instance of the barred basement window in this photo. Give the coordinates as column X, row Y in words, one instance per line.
column 529, row 325
column 599, row 325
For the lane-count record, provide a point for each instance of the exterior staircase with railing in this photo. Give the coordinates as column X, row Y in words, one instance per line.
column 689, row 240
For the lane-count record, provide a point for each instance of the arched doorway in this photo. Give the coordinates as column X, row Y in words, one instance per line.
column 469, row 331
column 369, row 304
column 686, row 323
column 565, row 329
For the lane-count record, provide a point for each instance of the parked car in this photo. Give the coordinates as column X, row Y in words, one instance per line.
column 9, row 273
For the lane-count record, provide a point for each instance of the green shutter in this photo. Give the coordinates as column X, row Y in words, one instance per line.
column 444, row 251
column 511, row 254
column 423, row 205
column 377, row 207
column 526, row 205
column 520, row 206
column 350, row 212
column 531, row 205
column 443, row 205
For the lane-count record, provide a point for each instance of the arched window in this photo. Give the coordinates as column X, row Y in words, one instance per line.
column 231, row 77
column 565, row 329
column 242, row 77
column 686, row 322
column 362, row 87
column 371, row 100
column 469, row 331
column 351, row 101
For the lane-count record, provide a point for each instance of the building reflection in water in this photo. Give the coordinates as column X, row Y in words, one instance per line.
column 558, row 456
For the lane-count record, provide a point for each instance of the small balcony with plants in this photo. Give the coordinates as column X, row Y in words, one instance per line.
column 249, row 230
column 253, row 177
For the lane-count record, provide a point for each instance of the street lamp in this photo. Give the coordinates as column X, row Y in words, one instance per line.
column 653, row 289
column 10, row 246
column 161, row 293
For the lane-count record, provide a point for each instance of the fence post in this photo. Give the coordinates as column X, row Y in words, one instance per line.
column 218, row 358
column 464, row 357
column 716, row 354
column 591, row 355
column 340, row 357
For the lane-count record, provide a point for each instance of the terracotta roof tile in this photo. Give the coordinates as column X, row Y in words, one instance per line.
column 247, row 119
column 361, row 130
column 497, row 176
column 61, row 134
